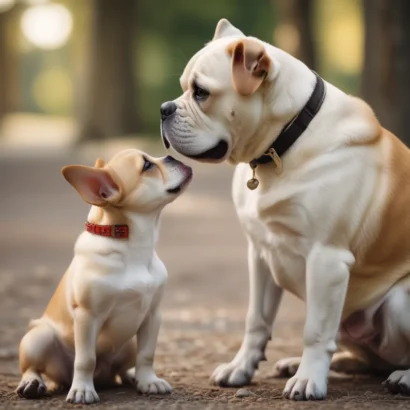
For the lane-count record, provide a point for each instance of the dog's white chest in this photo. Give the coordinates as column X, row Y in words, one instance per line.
column 122, row 293
column 135, row 289
column 280, row 252
column 131, row 299
column 279, row 246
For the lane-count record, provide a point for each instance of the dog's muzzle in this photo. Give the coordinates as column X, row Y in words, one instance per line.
column 168, row 110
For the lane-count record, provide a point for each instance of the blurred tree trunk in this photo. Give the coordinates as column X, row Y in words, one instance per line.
column 109, row 106
column 386, row 73
column 8, row 65
column 3, row 76
column 294, row 33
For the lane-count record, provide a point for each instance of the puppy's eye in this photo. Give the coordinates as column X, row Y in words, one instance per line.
column 200, row 94
column 147, row 165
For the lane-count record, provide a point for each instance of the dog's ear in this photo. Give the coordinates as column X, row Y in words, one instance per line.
column 250, row 65
column 224, row 29
column 99, row 163
column 95, row 185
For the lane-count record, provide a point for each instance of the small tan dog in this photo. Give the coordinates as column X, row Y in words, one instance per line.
column 112, row 290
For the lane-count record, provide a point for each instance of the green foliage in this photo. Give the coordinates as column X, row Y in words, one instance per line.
column 168, row 33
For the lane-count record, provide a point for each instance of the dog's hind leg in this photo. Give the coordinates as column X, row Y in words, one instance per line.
column 40, row 353
column 286, row 367
column 397, row 331
column 342, row 362
column 348, row 362
column 264, row 299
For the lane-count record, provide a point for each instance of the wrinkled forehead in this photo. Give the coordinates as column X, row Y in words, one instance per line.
column 212, row 61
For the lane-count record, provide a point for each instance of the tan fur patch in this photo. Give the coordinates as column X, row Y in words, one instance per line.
column 386, row 259
column 57, row 310
column 99, row 163
column 250, row 64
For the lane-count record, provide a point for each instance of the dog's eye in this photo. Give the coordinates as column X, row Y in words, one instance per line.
column 200, row 94
column 147, row 165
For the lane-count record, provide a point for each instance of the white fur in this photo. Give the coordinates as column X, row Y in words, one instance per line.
column 129, row 288
column 306, row 226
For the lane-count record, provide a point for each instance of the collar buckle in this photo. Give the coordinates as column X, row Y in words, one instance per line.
column 276, row 160
column 290, row 132
column 120, row 231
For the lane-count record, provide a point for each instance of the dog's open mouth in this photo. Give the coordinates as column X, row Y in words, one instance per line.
column 187, row 178
column 215, row 153
column 166, row 142
column 164, row 138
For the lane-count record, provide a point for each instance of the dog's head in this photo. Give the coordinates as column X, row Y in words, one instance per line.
column 224, row 97
column 131, row 180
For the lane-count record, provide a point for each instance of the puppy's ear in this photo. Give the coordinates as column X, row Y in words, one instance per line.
column 95, row 185
column 224, row 29
column 99, row 163
column 250, row 65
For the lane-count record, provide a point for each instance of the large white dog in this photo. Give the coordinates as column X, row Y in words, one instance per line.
column 326, row 215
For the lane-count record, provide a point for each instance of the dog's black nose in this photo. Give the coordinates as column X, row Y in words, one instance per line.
column 168, row 158
column 167, row 109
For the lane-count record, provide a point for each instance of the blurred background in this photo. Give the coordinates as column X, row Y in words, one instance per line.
column 99, row 69
column 81, row 79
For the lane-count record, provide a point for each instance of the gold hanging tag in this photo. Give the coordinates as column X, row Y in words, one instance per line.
column 253, row 182
column 276, row 160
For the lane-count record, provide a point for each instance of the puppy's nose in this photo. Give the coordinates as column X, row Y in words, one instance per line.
column 167, row 109
column 169, row 159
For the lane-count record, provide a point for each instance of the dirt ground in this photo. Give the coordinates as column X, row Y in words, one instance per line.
column 206, row 297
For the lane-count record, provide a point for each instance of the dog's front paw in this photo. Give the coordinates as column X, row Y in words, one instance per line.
column 399, row 382
column 306, row 388
column 240, row 371
column 233, row 374
column 286, row 367
column 152, row 385
column 83, row 393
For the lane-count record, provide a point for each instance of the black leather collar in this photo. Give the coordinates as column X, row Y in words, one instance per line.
column 294, row 128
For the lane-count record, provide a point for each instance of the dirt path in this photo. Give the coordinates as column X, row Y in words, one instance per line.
column 204, row 309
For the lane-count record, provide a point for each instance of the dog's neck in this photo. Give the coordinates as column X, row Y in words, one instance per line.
column 284, row 99
column 143, row 227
